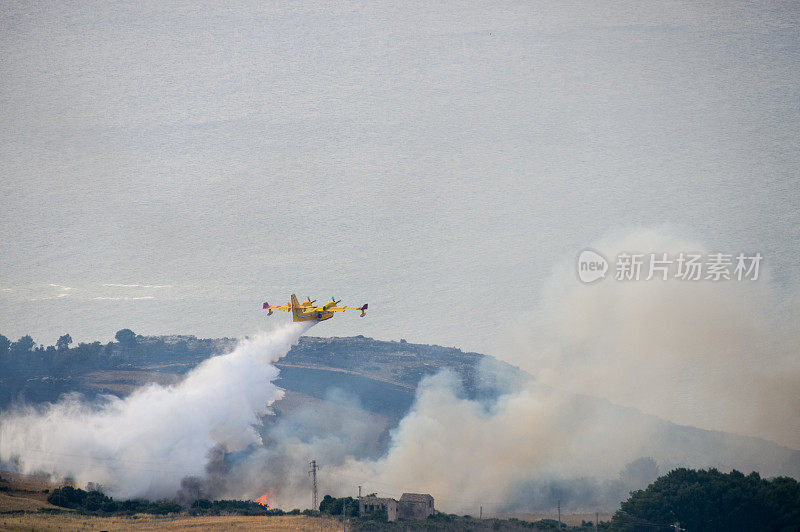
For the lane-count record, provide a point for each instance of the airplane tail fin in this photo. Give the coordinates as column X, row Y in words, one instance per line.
column 364, row 310
column 295, row 307
column 266, row 306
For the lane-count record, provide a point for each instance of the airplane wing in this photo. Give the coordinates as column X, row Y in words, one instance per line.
column 266, row 306
column 335, row 308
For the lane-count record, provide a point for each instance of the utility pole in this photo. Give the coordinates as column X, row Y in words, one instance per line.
column 313, row 474
column 481, row 517
column 343, row 512
column 559, row 512
column 596, row 520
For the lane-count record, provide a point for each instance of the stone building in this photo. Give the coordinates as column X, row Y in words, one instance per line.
column 415, row 506
column 411, row 506
column 367, row 505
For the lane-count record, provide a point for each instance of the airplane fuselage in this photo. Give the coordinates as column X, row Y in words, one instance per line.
column 310, row 315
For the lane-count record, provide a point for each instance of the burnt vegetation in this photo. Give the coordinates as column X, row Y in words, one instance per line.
column 95, row 502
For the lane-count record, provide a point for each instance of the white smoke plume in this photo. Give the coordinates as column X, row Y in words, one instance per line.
column 330, row 431
column 716, row 355
column 521, row 451
column 146, row 443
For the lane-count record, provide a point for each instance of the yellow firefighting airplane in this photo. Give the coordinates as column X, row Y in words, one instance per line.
column 306, row 311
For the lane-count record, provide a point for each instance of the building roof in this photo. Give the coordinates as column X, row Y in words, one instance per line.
column 377, row 500
column 416, row 497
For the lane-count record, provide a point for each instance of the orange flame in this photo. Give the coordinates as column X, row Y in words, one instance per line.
column 263, row 500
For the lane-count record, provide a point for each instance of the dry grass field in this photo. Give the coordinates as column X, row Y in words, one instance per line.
column 22, row 496
column 285, row 523
column 22, row 492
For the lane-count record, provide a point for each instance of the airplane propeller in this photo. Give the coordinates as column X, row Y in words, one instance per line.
column 335, row 302
column 311, row 302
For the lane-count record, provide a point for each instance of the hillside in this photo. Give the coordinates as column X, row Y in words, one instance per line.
column 378, row 377
column 382, row 374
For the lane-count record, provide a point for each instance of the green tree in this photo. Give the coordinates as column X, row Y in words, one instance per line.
column 126, row 338
column 713, row 501
column 5, row 343
column 333, row 506
column 67, row 497
column 23, row 345
column 62, row 344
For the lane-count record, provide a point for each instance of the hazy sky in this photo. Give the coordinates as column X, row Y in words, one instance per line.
column 435, row 160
